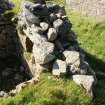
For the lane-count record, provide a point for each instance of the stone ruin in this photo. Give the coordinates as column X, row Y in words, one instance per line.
column 45, row 31
column 93, row 8
column 52, row 43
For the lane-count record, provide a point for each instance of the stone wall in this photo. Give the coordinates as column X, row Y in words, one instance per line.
column 94, row 8
column 54, row 46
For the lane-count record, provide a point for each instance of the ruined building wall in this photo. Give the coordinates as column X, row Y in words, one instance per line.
column 94, row 8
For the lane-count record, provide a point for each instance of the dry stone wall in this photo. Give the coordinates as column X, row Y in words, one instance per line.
column 53, row 44
column 94, row 8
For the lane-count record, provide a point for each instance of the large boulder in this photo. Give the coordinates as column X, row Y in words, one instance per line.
column 43, row 52
column 87, row 81
column 26, row 18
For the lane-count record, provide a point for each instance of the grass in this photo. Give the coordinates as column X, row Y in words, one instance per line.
column 91, row 37
column 50, row 92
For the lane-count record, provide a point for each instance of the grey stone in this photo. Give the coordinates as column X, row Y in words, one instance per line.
column 44, row 26
column 62, row 27
column 73, row 69
column 52, row 7
column 28, row 18
column 33, row 33
column 59, row 67
column 52, row 17
column 43, row 52
column 52, row 34
column 40, row 10
column 84, row 67
column 3, row 94
column 87, row 81
column 72, row 57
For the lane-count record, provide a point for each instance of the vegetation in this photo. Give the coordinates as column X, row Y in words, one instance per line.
column 50, row 92
column 91, row 36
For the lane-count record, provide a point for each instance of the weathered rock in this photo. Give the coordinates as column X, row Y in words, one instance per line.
column 72, row 58
column 62, row 27
column 73, row 69
column 44, row 26
column 87, row 81
column 43, row 51
column 52, row 7
column 61, row 10
column 3, row 94
column 59, row 67
column 27, row 18
column 52, row 34
column 84, row 68
column 52, row 17
column 33, row 34
column 39, row 10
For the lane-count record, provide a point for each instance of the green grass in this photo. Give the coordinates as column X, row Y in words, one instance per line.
column 17, row 3
column 91, row 37
column 50, row 92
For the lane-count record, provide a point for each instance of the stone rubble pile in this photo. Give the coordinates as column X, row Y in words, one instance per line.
column 45, row 31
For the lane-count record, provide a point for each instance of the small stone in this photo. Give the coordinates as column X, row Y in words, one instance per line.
column 52, row 34
column 44, row 26
column 84, row 68
column 73, row 69
column 52, row 7
column 62, row 27
column 59, row 67
column 52, row 17
column 3, row 94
